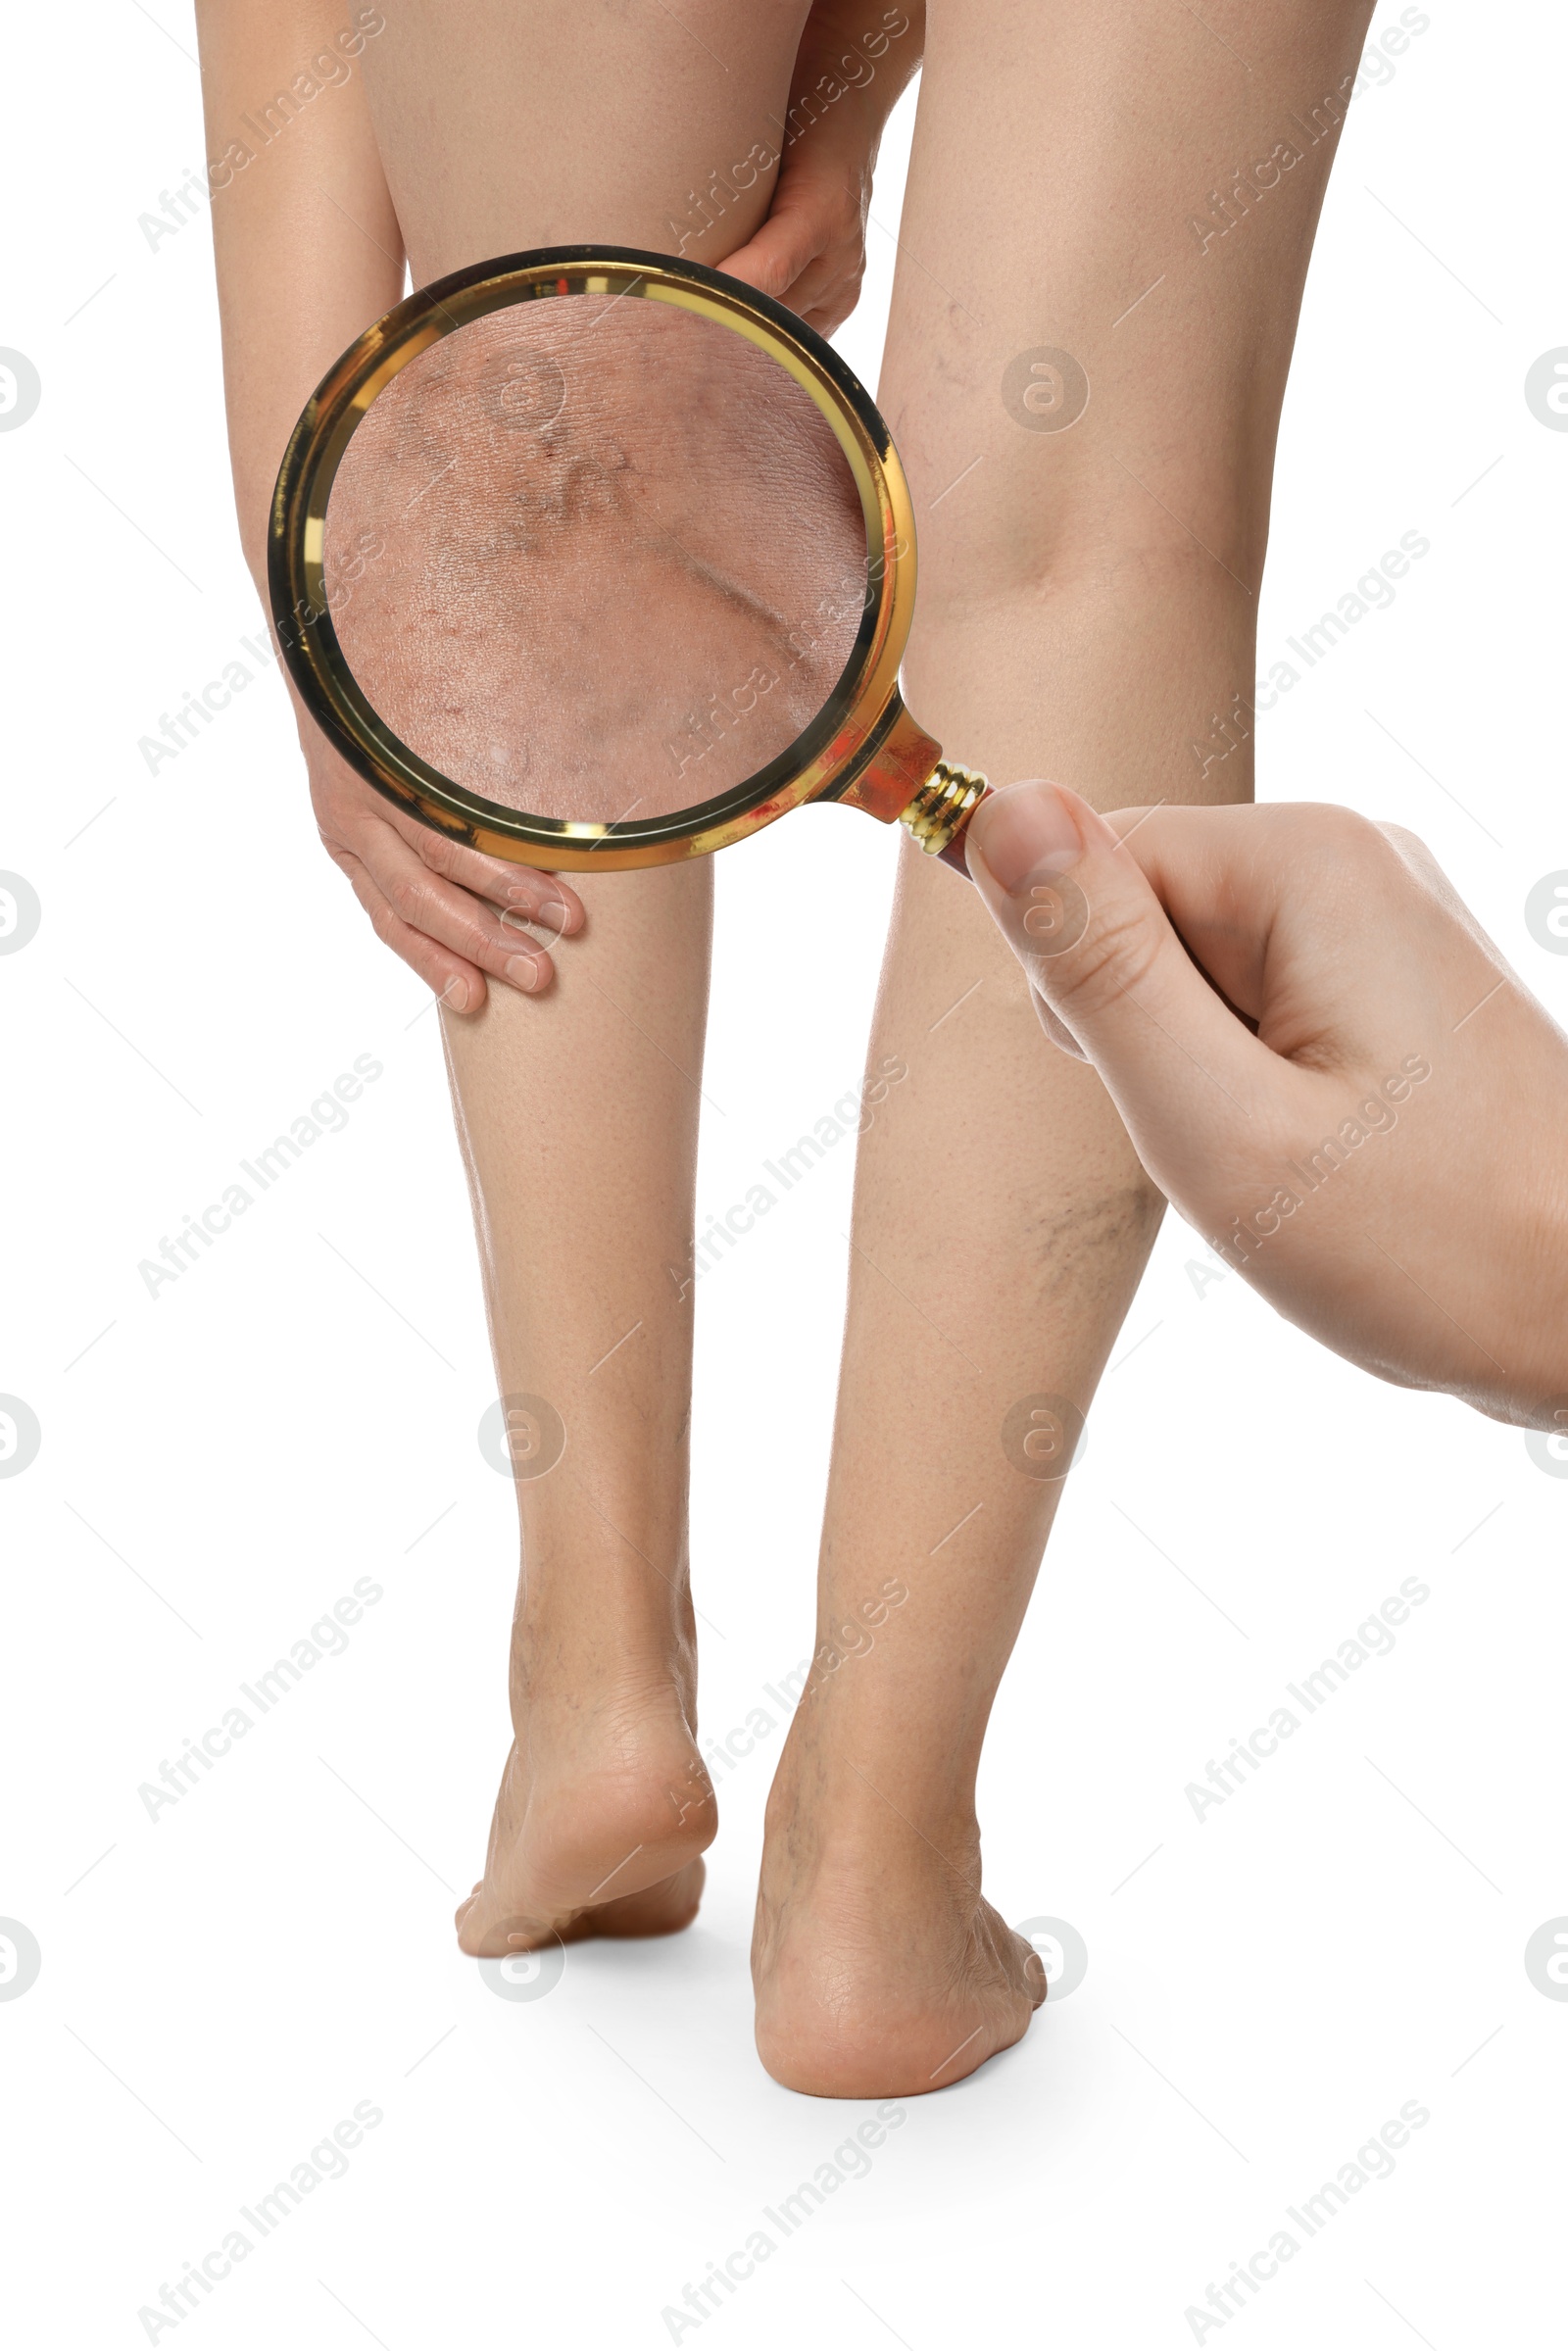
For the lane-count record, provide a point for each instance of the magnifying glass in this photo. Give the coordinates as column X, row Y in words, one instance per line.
column 594, row 558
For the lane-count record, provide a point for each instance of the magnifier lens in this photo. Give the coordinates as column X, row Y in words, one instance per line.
column 595, row 558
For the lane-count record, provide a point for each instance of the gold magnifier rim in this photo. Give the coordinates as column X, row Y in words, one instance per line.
column 822, row 763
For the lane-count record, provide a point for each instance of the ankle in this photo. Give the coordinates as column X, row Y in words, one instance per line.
column 859, row 1787
column 603, row 1629
column 857, row 1838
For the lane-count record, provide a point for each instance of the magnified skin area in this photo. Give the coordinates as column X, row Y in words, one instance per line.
column 594, row 557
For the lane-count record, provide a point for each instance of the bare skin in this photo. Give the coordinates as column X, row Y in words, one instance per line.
column 1087, row 606
column 1070, row 625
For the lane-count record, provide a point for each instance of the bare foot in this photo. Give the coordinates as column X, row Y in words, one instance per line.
column 880, row 1970
column 603, row 1810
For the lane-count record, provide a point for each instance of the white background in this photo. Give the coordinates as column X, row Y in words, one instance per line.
column 219, row 1464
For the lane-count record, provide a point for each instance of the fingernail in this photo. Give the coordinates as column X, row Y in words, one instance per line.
column 524, row 972
column 1024, row 832
column 546, row 909
column 455, row 996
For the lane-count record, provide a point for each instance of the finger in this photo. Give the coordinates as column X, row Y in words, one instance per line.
column 1057, row 1030
column 828, row 292
column 1286, row 908
column 830, row 281
column 458, row 985
column 353, row 816
column 547, row 899
column 783, row 248
column 1211, row 870
column 473, row 930
column 1079, row 913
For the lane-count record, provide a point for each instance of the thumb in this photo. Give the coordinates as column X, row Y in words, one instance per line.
column 1078, row 911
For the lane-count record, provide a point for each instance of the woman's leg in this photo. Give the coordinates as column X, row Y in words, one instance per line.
column 503, row 128
column 459, row 132
column 1088, row 597
column 577, row 1114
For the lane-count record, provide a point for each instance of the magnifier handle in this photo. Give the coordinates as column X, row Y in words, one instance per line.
column 939, row 813
column 952, row 852
column 908, row 781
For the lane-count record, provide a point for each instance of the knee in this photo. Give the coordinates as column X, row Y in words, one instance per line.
column 1142, row 497
column 1195, row 524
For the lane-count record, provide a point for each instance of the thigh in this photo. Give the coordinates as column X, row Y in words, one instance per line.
column 1110, row 211
column 566, row 122
column 450, row 135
